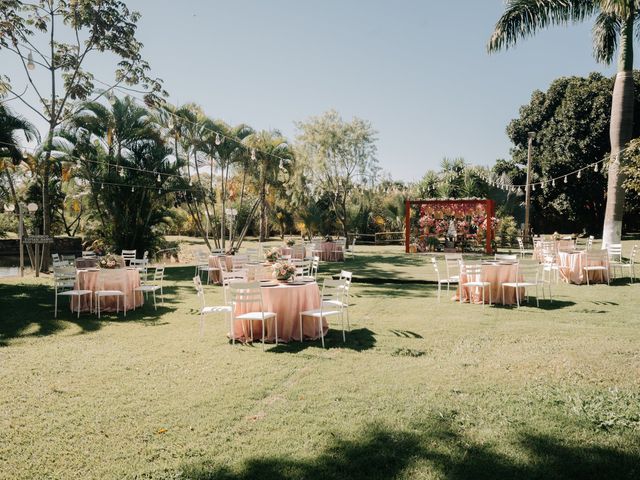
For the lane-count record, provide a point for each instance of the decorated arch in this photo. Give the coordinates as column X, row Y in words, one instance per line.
column 454, row 223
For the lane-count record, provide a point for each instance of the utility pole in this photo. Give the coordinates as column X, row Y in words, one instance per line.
column 527, row 207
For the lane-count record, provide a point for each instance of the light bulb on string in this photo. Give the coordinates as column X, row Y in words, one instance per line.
column 159, row 191
column 533, row 187
column 30, row 64
column 579, row 173
column 595, row 168
column 190, row 183
column 102, row 186
column 133, row 189
column 566, row 180
column 218, row 140
column 553, row 182
column 159, row 179
column 121, row 172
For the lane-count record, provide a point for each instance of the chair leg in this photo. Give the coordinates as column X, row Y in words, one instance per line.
column 301, row 337
column 517, row 297
column 439, row 285
column 321, row 330
column 262, row 334
column 78, row 305
column 55, row 305
column 275, row 320
column 155, row 306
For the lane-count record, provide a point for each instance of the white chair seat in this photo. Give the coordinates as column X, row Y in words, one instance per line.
column 256, row 315
column 76, row 292
column 476, row 284
column 453, row 279
column 216, row 309
column 595, row 267
column 519, row 284
column 109, row 293
column 335, row 303
column 317, row 312
column 147, row 288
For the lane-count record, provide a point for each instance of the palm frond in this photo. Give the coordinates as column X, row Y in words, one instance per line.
column 606, row 31
column 522, row 18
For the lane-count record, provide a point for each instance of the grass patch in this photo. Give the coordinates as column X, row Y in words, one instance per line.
column 420, row 389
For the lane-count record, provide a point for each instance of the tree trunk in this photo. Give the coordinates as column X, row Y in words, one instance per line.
column 620, row 133
column 263, row 208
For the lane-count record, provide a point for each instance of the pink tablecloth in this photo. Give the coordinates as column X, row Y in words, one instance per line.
column 496, row 274
column 294, row 252
column 287, row 301
column 328, row 251
column 123, row 279
column 571, row 269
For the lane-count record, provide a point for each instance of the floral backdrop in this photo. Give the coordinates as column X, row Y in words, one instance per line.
column 469, row 218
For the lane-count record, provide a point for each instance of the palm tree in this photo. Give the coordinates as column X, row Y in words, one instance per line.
column 613, row 29
column 10, row 126
column 274, row 158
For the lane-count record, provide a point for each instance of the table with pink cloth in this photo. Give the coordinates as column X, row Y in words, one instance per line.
column 328, row 251
column 295, row 253
column 496, row 274
column 123, row 279
column 571, row 264
column 287, row 301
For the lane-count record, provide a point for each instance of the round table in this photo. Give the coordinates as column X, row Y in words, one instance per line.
column 123, row 279
column 287, row 301
column 571, row 264
column 496, row 274
column 328, row 251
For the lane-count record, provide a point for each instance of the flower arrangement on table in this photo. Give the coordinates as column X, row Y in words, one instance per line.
column 291, row 242
column 109, row 262
column 283, row 271
column 272, row 255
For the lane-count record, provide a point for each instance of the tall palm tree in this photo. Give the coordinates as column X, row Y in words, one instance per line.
column 612, row 30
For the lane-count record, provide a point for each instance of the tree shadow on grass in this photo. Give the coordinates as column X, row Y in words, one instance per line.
column 397, row 291
column 358, row 340
column 437, row 449
column 28, row 311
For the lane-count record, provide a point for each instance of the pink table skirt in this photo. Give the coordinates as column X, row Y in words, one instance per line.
column 571, row 269
column 496, row 275
column 123, row 279
column 287, row 301
column 214, row 261
column 328, row 251
column 295, row 253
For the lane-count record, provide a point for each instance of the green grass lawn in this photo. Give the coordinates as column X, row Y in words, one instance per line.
column 420, row 389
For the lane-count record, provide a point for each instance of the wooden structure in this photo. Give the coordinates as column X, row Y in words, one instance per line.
column 489, row 209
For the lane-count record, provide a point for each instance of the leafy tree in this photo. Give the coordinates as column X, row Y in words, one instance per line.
column 342, row 156
column 572, row 123
column 613, row 30
column 41, row 28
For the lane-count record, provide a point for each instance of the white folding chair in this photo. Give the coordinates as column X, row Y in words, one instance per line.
column 158, row 277
column 205, row 310
column 315, row 264
column 527, row 275
column 441, row 280
column 521, row 247
column 351, row 249
column 202, row 265
column 64, row 278
column 590, row 242
column 615, row 257
column 127, row 256
column 239, row 261
column 596, row 261
column 630, row 264
column 101, row 292
column 474, row 278
column 452, row 264
column 249, row 295
column 331, row 298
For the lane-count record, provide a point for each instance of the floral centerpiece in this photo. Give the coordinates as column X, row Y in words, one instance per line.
column 109, row 262
column 291, row 242
column 283, row 271
column 272, row 255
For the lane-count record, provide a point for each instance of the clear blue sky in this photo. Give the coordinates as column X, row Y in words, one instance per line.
column 417, row 69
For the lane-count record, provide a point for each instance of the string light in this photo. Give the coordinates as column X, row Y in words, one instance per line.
column 133, row 189
column 218, row 140
column 579, row 173
column 30, row 64
column 159, row 179
column 121, row 172
column 102, row 186
column 595, row 168
column 533, row 187
column 566, row 179
column 553, row 182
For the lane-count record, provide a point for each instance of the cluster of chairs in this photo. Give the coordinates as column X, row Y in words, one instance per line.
column 239, row 294
column 471, row 275
column 66, row 284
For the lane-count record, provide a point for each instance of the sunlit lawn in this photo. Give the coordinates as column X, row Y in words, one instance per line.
column 420, row 389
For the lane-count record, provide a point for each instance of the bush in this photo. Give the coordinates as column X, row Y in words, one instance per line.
column 507, row 231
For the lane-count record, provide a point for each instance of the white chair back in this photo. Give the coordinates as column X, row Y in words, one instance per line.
column 615, row 252
column 128, row 255
column 88, row 254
